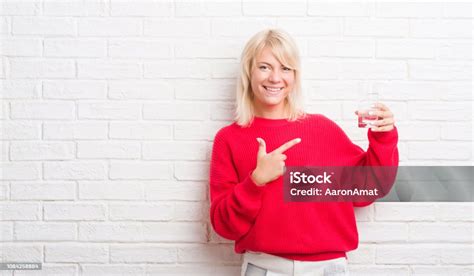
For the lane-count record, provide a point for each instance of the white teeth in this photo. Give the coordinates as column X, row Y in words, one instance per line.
column 273, row 89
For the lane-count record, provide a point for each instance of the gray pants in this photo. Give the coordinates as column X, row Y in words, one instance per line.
column 261, row 264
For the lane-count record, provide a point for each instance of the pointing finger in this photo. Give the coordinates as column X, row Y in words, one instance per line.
column 287, row 145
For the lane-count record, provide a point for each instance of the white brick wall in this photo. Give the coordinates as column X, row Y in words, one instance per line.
column 109, row 108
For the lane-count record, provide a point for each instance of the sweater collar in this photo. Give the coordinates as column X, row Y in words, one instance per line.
column 265, row 122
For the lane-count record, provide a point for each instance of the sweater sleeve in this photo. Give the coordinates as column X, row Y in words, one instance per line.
column 382, row 151
column 234, row 204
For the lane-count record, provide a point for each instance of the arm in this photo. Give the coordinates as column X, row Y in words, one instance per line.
column 234, row 204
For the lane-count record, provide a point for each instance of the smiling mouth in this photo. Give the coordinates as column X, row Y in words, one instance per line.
column 273, row 90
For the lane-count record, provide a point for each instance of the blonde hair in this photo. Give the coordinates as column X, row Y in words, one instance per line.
column 284, row 49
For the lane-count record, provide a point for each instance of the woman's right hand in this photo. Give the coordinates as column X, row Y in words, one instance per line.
column 270, row 165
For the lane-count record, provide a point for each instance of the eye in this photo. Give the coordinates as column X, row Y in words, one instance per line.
column 286, row 69
column 263, row 67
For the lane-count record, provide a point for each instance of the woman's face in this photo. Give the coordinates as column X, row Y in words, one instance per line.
column 271, row 82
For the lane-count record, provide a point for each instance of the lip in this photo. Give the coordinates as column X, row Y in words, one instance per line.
column 273, row 90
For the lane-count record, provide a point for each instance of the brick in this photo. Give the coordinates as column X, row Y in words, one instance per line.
column 108, row 150
column 27, row 150
column 34, row 231
column 421, row 90
column 405, row 212
column 43, row 191
column 75, row 8
column 111, row 232
column 98, row 69
column 4, row 191
column 139, row 48
column 111, row 190
column 20, row 89
column 75, row 131
column 187, row 28
column 245, row 27
column 176, row 111
column 365, row 213
column 43, row 26
column 110, row 270
column 418, row 131
column 82, row 47
column 175, row 232
column 456, row 131
column 74, row 89
column 20, row 211
column 320, row 70
column 20, row 171
column 12, row 7
column 20, row 47
column 22, row 253
column 140, row 89
column 409, row 9
column 40, row 68
column 110, row 110
column 190, row 211
column 224, row 69
column 140, row 131
column 439, row 150
column 141, row 212
column 208, row 49
column 142, row 254
column 72, row 252
column 334, row 90
column 175, row 151
column 331, row 109
column 206, row 254
column 365, row 254
column 457, row 254
column 214, row 8
column 73, row 170
column 197, row 131
column 339, row 9
column 43, row 110
column 142, row 8
column 376, row 27
column 440, row 232
column 440, row 270
column 440, row 70
column 446, row 28
column 175, row 190
column 20, row 130
column 455, row 50
column 311, row 26
column 140, row 170
column 457, row 10
column 455, row 211
column 407, row 254
column 440, row 111
column 205, row 90
column 50, row 270
column 271, row 8
column 341, row 48
column 382, row 232
column 6, row 231
column 195, row 270
column 196, row 171
column 222, row 111
column 74, row 211
column 165, row 69
column 106, row 27
column 5, row 25
column 373, row 70
column 397, row 48
column 386, row 270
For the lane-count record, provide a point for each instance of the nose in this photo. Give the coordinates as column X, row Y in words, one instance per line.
column 275, row 76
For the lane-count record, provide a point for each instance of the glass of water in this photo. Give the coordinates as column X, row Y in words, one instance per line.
column 366, row 109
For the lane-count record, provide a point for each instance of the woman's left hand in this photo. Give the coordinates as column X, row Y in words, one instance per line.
column 385, row 120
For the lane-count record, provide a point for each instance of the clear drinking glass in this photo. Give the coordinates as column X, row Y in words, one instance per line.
column 365, row 108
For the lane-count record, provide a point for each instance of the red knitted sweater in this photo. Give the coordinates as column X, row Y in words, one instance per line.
column 257, row 218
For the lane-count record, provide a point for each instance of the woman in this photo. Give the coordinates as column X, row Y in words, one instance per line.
column 271, row 131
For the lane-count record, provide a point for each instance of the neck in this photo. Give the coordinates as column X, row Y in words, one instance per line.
column 275, row 112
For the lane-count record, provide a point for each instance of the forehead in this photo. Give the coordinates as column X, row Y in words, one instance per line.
column 266, row 55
